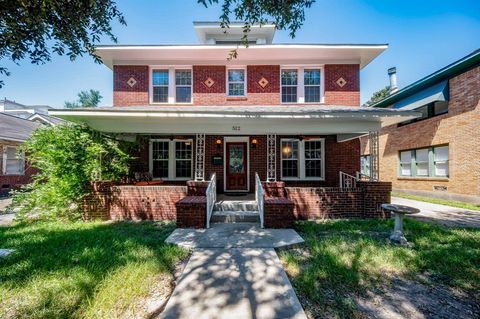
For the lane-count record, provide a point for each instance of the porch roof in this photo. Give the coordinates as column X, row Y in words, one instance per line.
column 236, row 119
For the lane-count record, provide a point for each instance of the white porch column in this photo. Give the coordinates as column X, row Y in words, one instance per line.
column 374, row 155
column 200, row 157
column 271, row 157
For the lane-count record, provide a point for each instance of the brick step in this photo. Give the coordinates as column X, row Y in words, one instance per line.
column 235, row 217
column 236, row 205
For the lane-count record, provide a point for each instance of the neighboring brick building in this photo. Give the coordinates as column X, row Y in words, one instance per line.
column 439, row 154
column 287, row 112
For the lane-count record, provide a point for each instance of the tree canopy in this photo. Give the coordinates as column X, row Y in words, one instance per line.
column 36, row 29
column 378, row 96
column 89, row 98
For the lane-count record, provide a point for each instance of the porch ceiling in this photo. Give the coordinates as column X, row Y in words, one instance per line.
column 236, row 120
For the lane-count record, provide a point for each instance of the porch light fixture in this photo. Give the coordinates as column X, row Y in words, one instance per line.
column 218, row 142
column 286, row 150
column 254, row 143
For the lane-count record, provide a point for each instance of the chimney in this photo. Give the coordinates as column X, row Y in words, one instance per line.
column 392, row 73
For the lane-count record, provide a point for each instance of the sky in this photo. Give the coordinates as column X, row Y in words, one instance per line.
column 423, row 36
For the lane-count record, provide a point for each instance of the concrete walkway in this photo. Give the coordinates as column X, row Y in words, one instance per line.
column 445, row 215
column 234, row 272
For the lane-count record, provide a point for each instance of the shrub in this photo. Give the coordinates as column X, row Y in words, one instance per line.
column 68, row 159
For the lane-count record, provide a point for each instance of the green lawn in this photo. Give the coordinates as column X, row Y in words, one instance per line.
column 342, row 259
column 453, row 203
column 83, row 269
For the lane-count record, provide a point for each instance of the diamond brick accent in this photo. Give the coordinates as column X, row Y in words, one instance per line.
column 131, row 82
column 341, row 82
column 263, row 82
column 209, row 82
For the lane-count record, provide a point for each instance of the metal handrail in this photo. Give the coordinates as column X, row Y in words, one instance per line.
column 347, row 180
column 259, row 198
column 211, row 194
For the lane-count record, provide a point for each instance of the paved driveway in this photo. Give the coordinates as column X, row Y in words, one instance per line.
column 445, row 215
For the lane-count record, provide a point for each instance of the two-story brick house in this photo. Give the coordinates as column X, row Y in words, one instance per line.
column 288, row 113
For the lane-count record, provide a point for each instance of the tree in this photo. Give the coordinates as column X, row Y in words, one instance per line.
column 68, row 158
column 378, row 96
column 286, row 15
column 89, row 98
column 34, row 29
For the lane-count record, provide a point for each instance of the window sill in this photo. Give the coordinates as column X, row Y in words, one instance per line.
column 295, row 179
column 418, row 178
column 237, row 98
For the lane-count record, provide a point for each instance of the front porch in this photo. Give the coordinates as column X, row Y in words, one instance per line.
column 301, row 162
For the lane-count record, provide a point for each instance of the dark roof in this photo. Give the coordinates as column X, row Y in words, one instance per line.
column 13, row 128
column 464, row 64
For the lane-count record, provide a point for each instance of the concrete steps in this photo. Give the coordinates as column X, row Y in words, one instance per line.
column 236, row 205
column 235, row 217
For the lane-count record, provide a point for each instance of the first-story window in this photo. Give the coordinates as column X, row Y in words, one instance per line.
column 365, row 165
column 302, row 159
column 171, row 159
column 236, row 82
column 424, row 162
column 183, row 159
column 13, row 161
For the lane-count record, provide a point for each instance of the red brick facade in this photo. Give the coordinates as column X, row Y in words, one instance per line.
column 123, row 93
column 138, row 94
column 349, row 93
column 8, row 182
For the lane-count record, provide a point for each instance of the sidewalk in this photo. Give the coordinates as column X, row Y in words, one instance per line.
column 445, row 215
column 240, row 281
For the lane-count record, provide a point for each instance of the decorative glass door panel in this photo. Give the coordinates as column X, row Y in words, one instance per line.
column 236, row 174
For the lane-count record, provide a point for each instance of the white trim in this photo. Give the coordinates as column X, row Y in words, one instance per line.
column 300, row 68
column 301, row 160
column 171, row 158
column 236, row 67
column 228, row 139
column 5, row 159
column 172, row 92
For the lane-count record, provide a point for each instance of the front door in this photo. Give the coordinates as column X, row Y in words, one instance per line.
column 236, row 153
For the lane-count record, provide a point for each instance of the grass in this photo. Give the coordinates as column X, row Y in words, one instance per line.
column 83, row 270
column 453, row 203
column 342, row 259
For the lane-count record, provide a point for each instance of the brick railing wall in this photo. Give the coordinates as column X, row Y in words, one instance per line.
column 278, row 212
column 108, row 201
column 191, row 212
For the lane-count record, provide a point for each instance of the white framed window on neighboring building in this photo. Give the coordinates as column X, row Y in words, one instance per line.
column 303, row 159
column 301, row 85
column 424, row 162
column 13, row 162
column 236, row 82
column 169, row 85
column 171, row 159
column 365, row 165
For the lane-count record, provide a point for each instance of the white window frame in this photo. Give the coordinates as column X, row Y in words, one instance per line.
column 172, row 92
column 301, row 160
column 5, row 159
column 234, row 68
column 301, row 82
column 172, row 161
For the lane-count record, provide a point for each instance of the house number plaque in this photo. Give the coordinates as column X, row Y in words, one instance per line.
column 236, row 128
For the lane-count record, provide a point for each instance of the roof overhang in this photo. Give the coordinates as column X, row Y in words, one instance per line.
column 280, row 54
column 235, row 30
column 236, row 120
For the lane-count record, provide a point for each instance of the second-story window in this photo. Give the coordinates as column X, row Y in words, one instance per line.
column 183, row 86
column 236, row 82
column 301, row 85
column 312, row 85
column 289, row 86
column 160, row 86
